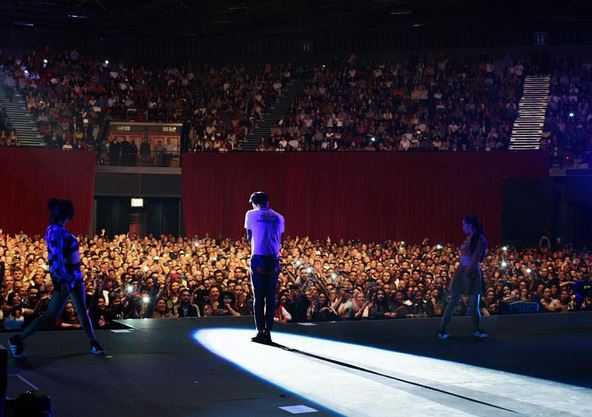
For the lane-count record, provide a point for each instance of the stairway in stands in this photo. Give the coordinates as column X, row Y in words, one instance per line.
column 281, row 107
column 528, row 127
column 19, row 117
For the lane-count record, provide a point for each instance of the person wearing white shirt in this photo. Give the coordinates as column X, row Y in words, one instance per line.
column 264, row 231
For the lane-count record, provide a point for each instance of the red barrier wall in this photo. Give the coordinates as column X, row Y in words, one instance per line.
column 29, row 177
column 370, row 196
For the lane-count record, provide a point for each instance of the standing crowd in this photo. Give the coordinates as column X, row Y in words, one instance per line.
column 165, row 276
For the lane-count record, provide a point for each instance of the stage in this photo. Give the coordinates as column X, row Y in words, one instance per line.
column 531, row 365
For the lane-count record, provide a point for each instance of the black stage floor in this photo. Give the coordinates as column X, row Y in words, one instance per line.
column 159, row 369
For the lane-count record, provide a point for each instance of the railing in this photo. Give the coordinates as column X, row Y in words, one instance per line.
column 152, row 159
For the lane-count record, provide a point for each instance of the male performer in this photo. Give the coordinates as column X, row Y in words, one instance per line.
column 264, row 232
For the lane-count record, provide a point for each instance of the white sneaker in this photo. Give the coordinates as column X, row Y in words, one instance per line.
column 480, row 333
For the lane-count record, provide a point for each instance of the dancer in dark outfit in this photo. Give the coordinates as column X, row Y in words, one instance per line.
column 468, row 277
column 64, row 267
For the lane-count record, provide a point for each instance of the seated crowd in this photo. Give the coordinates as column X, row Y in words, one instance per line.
column 433, row 102
column 7, row 133
column 130, row 277
column 567, row 134
column 72, row 97
column 427, row 103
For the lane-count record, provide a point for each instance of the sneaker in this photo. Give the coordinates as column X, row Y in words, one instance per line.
column 96, row 349
column 260, row 338
column 443, row 334
column 17, row 347
column 480, row 333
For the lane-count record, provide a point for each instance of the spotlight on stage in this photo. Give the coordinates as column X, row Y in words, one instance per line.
column 357, row 380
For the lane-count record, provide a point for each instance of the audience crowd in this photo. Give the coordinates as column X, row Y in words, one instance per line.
column 430, row 103
column 72, row 97
column 433, row 102
column 131, row 277
column 7, row 134
column 567, row 134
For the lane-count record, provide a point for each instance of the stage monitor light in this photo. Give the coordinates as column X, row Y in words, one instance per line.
column 137, row 202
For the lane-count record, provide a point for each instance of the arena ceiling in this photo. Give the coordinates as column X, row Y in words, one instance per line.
column 215, row 17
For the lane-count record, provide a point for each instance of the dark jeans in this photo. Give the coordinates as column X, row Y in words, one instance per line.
column 473, row 309
column 264, row 278
column 57, row 302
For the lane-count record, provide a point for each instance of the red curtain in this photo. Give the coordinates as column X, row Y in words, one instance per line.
column 29, row 177
column 369, row 196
